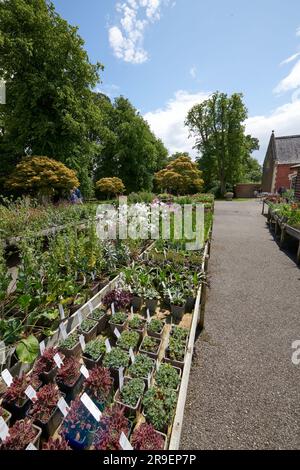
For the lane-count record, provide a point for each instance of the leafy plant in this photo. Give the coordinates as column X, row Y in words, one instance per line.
column 87, row 325
column 97, row 314
column 59, row 443
column 111, row 426
column 21, row 434
column 167, row 377
column 3, row 413
column 142, row 366
column 179, row 333
column 178, row 298
column 155, row 326
column 27, row 349
column 118, row 318
column 136, row 323
column 69, row 372
column 128, row 339
column 159, row 406
column 99, row 384
column 151, row 294
column 46, row 362
column 176, row 349
column 119, row 297
column 15, row 393
column 146, row 438
column 45, row 403
column 132, row 391
column 78, row 422
column 116, row 358
column 150, row 344
column 70, row 342
column 95, row 348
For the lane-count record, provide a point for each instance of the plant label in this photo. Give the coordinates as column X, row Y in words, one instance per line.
column 93, row 276
column 90, row 307
column 4, row 431
column 63, row 406
column 61, row 312
column 149, row 380
column 107, row 345
column 84, row 371
column 63, row 330
column 148, row 316
column 132, row 357
column 124, row 442
column 131, row 309
column 157, row 366
column 42, row 347
column 163, row 284
column 31, row 447
column 58, row 361
column 7, row 377
column 2, row 352
column 117, row 333
column 121, row 377
column 113, row 308
column 79, row 316
column 30, row 393
column 82, row 342
column 91, row 407
column 170, row 295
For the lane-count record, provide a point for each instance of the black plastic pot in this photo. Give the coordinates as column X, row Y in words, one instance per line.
column 151, row 305
column 91, row 334
column 75, row 351
column 136, row 302
column 71, row 391
column 17, row 411
column 120, row 328
column 190, row 304
column 177, row 312
column 91, row 363
column 102, row 322
column 48, row 377
column 49, row 428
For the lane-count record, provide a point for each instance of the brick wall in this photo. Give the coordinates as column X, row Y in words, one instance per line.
column 297, row 192
column 282, row 176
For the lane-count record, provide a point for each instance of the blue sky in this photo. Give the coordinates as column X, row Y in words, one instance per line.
column 167, row 55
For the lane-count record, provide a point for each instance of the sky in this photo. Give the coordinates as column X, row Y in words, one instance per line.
column 168, row 55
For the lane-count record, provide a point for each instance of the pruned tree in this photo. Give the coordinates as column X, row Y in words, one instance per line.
column 181, row 176
column 110, row 186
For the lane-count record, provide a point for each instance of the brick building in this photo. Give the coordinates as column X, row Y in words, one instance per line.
column 297, row 183
column 282, row 155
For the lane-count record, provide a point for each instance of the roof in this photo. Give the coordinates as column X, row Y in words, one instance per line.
column 288, row 149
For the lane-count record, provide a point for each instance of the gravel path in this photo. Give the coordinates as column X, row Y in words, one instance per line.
column 244, row 391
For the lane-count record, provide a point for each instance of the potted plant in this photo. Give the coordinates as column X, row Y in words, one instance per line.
column 175, row 352
column 129, row 339
column 168, row 376
column 142, row 367
column 179, row 333
column 79, row 426
column 59, row 443
column 137, row 323
column 150, row 346
column 89, row 329
column 137, row 296
column 131, row 394
column 78, row 302
column 112, row 424
column 14, row 398
column 44, row 411
column 155, row 328
column 178, row 302
column 118, row 321
column 100, row 316
column 120, row 298
column 98, row 386
column 228, row 196
column 45, row 366
column 5, row 415
column 21, row 434
column 69, row 379
column 115, row 359
column 146, row 438
column 159, row 407
column 70, row 346
column 151, row 299
column 94, row 352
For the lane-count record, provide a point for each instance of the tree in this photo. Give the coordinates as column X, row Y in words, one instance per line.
column 49, row 107
column 181, row 176
column 110, row 186
column 218, row 125
column 42, row 176
column 129, row 150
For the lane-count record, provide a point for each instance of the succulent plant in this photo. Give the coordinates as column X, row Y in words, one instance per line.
column 155, row 325
column 176, row 349
column 97, row 314
column 142, row 366
column 146, row 438
column 99, row 384
column 167, row 376
column 95, row 348
column 179, row 333
column 59, row 443
column 70, row 342
column 132, row 392
column 159, row 406
column 128, row 339
column 136, row 323
column 69, row 372
column 3, row 413
column 116, row 358
column 16, row 392
column 112, row 425
column 150, row 344
column 87, row 325
column 45, row 403
column 119, row 297
column 46, row 362
column 78, row 422
column 118, row 318
column 21, row 434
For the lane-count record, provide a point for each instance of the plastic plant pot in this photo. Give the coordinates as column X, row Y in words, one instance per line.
column 137, row 303
column 153, row 355
column 91, row 334
column 190, row 304
column 71, row 391
column 165, row 438
column 101, row 322
column 75, row 351
column 151, row 304
column 174, row 362
column 177, row 311
column 179, row 372
column 94, row 289
column 131, row 410
column 91, row 363
column 82, row 444
column 17, row 411
column 6, row 416
column 49, row 428
column 48, row 377
column 154, row 334
column 120, row 328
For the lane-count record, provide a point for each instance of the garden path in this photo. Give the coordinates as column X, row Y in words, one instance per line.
column 244, row 389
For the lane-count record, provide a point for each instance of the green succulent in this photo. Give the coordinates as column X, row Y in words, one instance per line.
column 136, row 323
column 167, row 376
column 150, row 344
column 69, row 342
column 87, row 325
column 141, row 367
column 94, row 349
column 179, row 333
column 97, row 314
column 116, row 358
column 128, row 339
column 132, row 391
column 176, row 349
column 159, row 406
column 118, row 318
column 155, row 326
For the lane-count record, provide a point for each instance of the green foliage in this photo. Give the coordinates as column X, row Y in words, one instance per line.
column 218, row 125
column 159, row 407
column 110, row 186
column 155, row 325
column 290, row 213
column 70, row 342
column 176, row 349
column 116, row 358
column 27, row 349
column 181, row 176
column 128, row 339
column 95, row 348
column 132, row 392
column 150, row 344
column 167, row 377
column 252, row 171
column 142, row 366
column 136, row 323
column 87, row 325
column 179, row 333
column 118, row 318
column 142, row 196
column 97, row 314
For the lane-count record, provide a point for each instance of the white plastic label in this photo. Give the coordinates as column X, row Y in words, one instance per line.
column 84, row 371
column 4, row 431
column 82, row 342
column 42, row 347
column 121, row 377
column 107, row 345
column 117, row 333
column 149, row 380
column 124, row 442
column 131, row 309
column 170, row 295
column 61, row 312
column 63, row 406
column 148, row 316
column 91, row 407
column 58, row 361
column 90, row 307
column 30, row 393
column 7, row 377
column 132, row 357
column 63, row 330
column 2, row 352
column 31, row 447
column 79, row 316
column 113, row 308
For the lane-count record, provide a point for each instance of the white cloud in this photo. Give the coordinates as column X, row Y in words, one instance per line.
column 298, row 32
column 168, row 122
column 290, row 59
column 291, row 81
column 193, row 72
column 127, row 37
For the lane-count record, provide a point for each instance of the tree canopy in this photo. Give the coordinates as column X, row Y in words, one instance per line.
column 225, row 149
column 181, row 176
column 110, row 186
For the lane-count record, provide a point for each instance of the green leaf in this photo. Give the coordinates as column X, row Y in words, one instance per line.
column 28, row 349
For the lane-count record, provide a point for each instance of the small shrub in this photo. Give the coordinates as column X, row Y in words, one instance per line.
column 146, row 438
column 116, row 358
